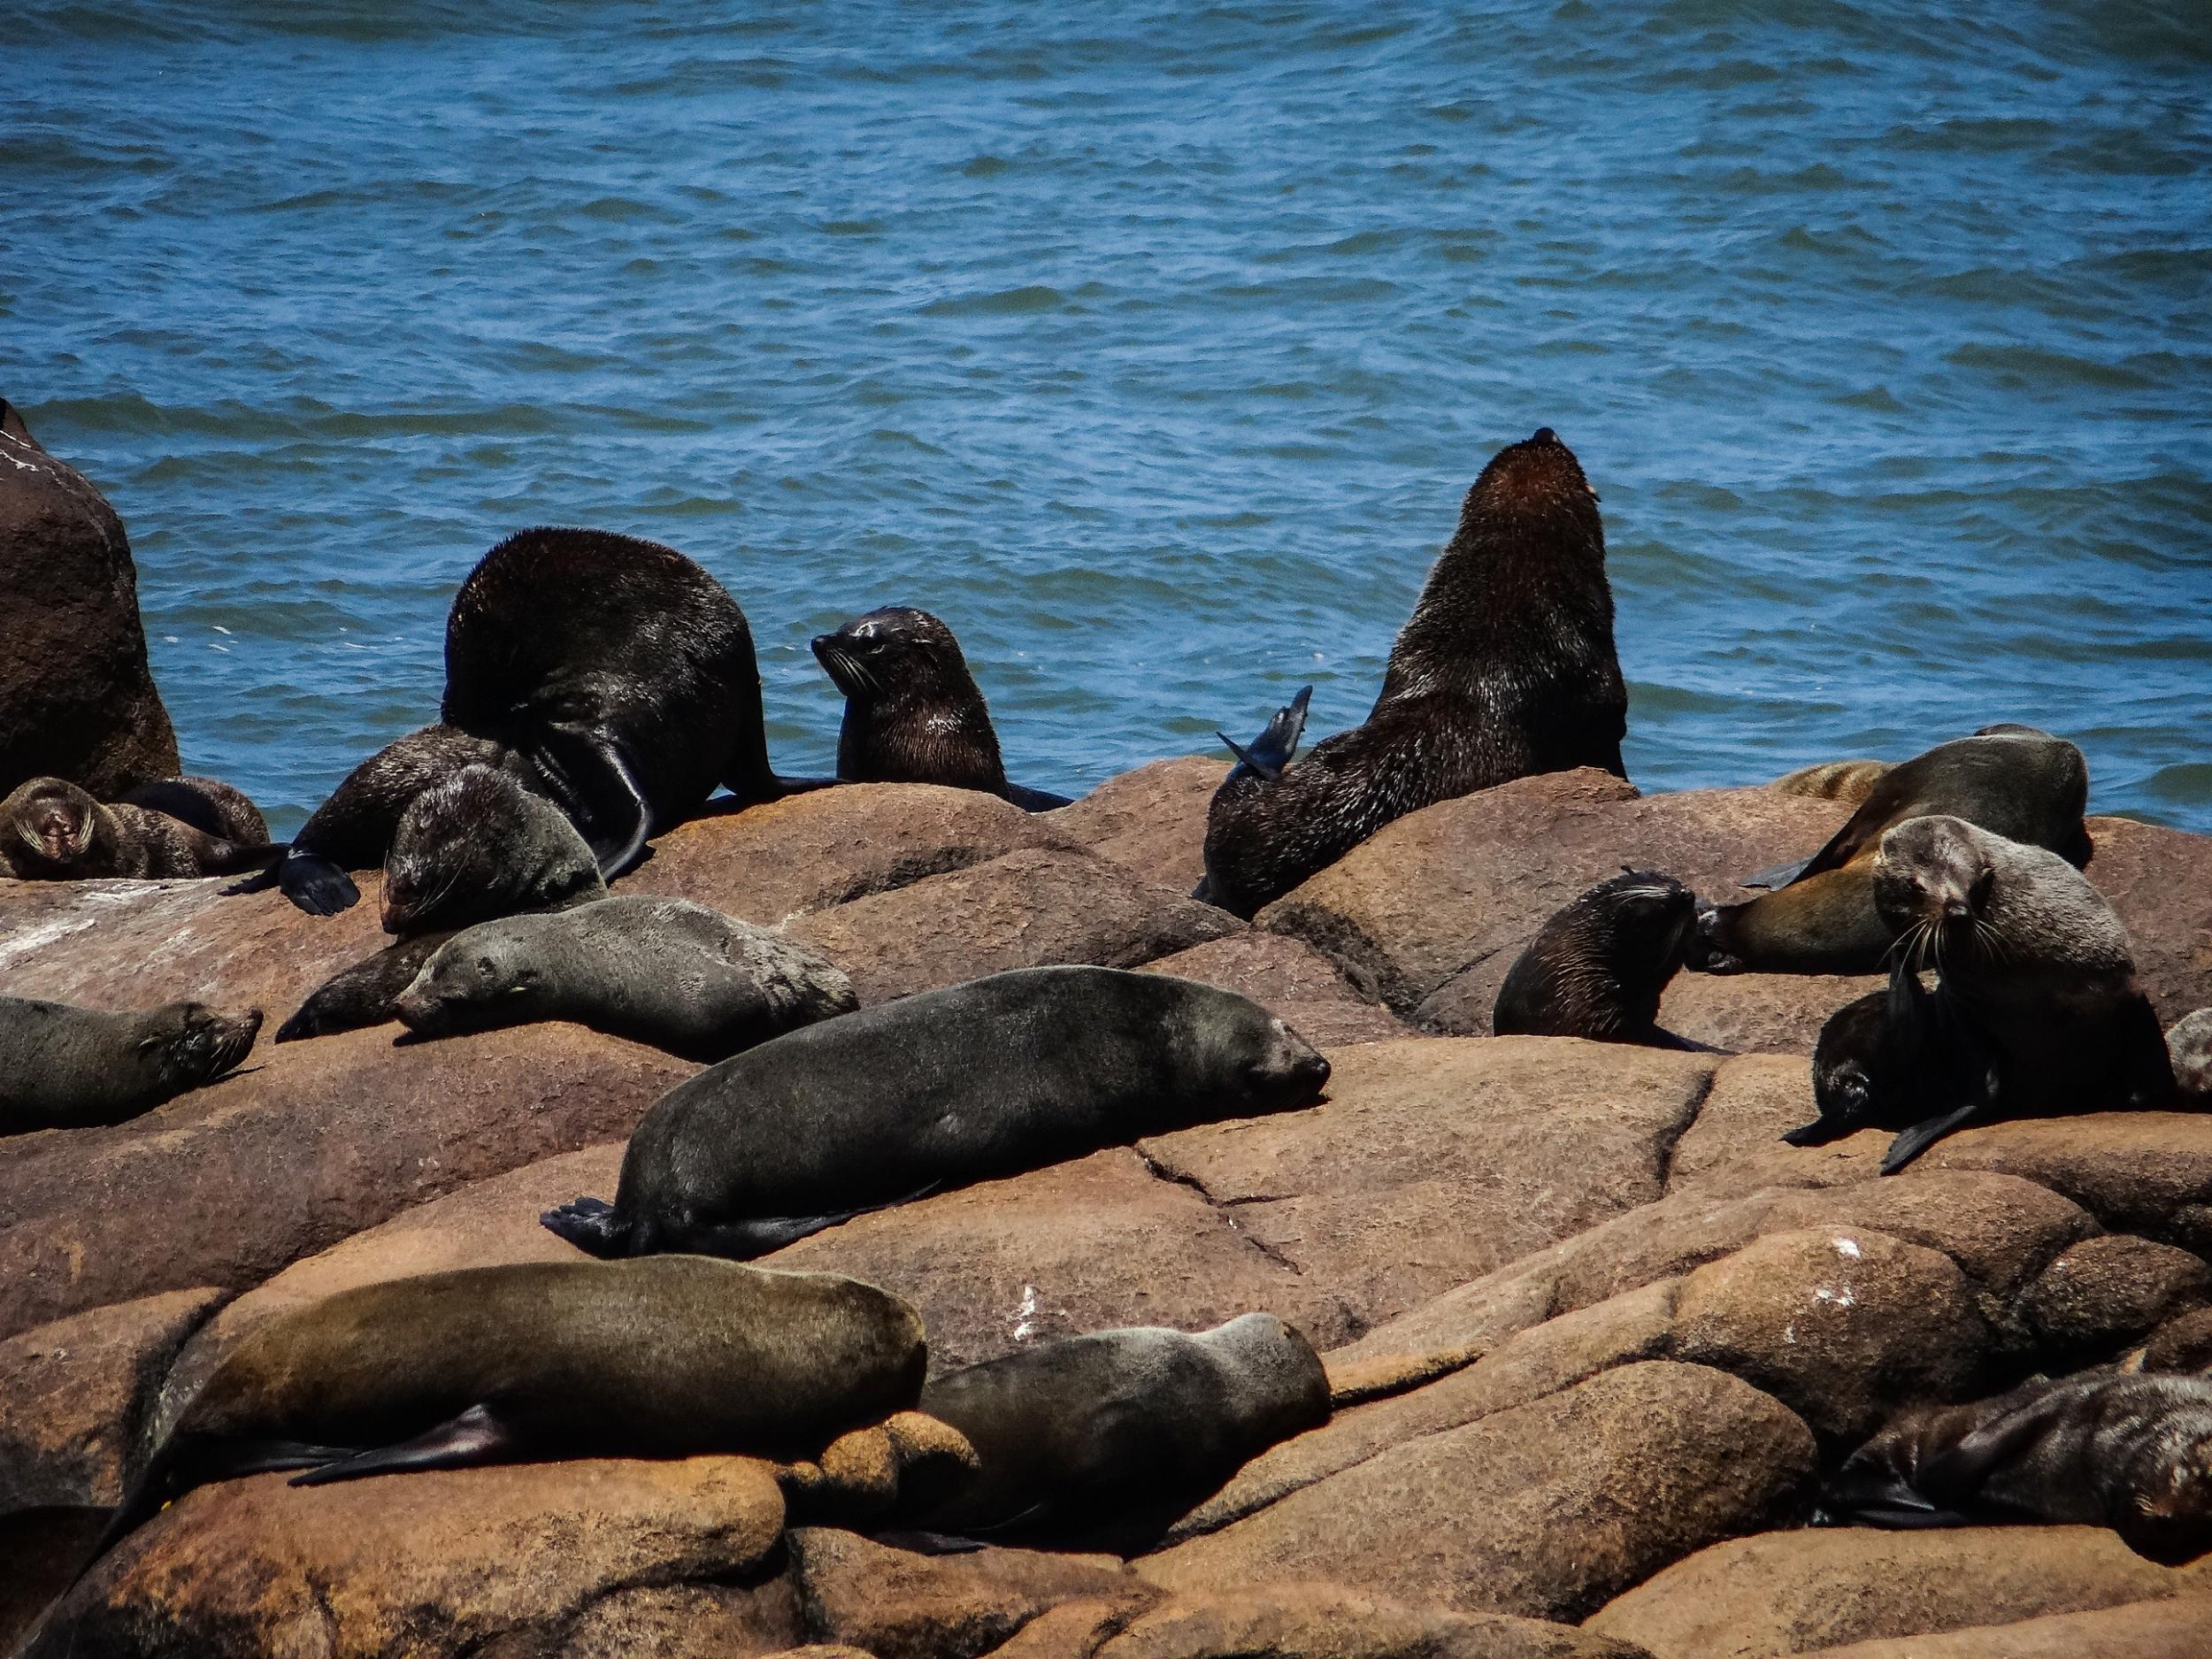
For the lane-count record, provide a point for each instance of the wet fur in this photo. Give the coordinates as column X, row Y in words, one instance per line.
column 1599, row 967
column 62, row 1066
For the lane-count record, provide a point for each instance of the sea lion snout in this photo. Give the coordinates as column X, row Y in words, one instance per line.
column 1292, row 1070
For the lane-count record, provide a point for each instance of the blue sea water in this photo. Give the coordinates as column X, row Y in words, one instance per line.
column 1153, row 349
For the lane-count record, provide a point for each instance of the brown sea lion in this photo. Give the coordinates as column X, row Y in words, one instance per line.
column 1506, row 668
column 1850, row 781
column 64, row 1067
column 53, row 831
column 2132, row 1452
column 2012, row 781
column 208, row 804
column 1599, row 967
column 913, row 713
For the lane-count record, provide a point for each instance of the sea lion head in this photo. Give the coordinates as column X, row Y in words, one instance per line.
column 1285, row 1391
column 1287, row 1071
column 895, row 651
column 1643, row 923
column 1933, row 881
column 466, row 976
column 1537, row 480
column 54, row 821
column 478, row 845
column 2170, row 1519
column 185, row 1044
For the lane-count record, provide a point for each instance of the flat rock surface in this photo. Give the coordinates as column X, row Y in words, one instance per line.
column 1289, row 978
column 1151, row 820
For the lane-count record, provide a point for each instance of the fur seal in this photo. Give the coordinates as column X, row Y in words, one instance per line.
column 1888, row 1060
column 1103, row 1441
column 665, row 972
column 1850, row 781
column 2035, row 1010
column 1599, row 967
column 1506, row 668
column 52, row 830
column 64, row 1067
column 991, row 1078
column 2132, row 1452
column 208, row 804
column 913, row 713
column 2189, row 1051
column 2012, row 781
column 471, row 847
column 611, row 672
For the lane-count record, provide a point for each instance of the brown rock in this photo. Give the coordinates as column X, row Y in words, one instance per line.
column 1790, row 1592
column 1754, row 1098
column 227, row 1185
column 1545, row 1510
column 1842, row 1325
column 2172, row 1629
column 1290, row 980
column 2160, row 882
column 899, row 1605
column 1152, row 820
column 2142, row 1172
column 72, row 1395
column 805, row 853
column 1028, row 910
column 2182, row 1344
column 2108, row 1291
column 1769, row 1013
column 77, row 699
column 499, row 1560
column 1326, row 1622
column 1433, row 1160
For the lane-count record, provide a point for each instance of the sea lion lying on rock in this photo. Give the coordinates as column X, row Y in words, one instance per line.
column 208, row 804
column 64, row 1067
column 1102, row 1441
column 2011, row 781
column 2132, row 1452
column 666, row 971
column 52, row 830
column 1598, row 968
column 1505, row 668
column 991, row 1078
column 913, row 713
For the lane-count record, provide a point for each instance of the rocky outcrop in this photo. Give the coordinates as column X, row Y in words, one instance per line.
column 1152, row 820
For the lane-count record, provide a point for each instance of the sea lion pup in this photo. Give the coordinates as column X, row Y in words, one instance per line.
column 1505, row 668
column 665, row 972
column 2036, row 998
column 52, row 830
column 991, row 1078
column 1102, row 1441
column 1889, row 1060
column 2189, row 1051
column 1599, row 967
column 208, row 804
column 612, row 672
column 2132, row 1452
column 913, row 713
column 472, row 848
column 2012, row 781
column 64, row 1067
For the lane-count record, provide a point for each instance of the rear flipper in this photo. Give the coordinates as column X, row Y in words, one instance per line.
column 1921, row 1136
column 475, row 1437
column 1818, row 1132
column 1270, row 752
column 595, row 785
column 363, row 994
column 312, row 882
column 592, row 1225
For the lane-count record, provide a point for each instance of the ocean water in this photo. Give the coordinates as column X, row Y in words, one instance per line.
column 1152, row 349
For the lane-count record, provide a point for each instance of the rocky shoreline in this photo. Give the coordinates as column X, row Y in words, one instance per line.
column 1591, row 1330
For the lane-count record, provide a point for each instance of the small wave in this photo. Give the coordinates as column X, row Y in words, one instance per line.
column 1018, row 302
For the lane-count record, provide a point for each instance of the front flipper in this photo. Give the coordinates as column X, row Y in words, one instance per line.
column 363, row 994
column 595, row 785
column 1774, row 875
column 1271, row 750
column 591, row 1225
column 1036, row 800
column 311, row 881
column 474, row 1437
column 1921, row 1136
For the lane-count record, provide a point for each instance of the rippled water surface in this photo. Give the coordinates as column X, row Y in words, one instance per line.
column 1154, row 351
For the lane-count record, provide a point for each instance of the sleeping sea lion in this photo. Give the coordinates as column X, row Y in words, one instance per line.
column 941, row 1089
column 64, row 1067
column 52, row 830
column 1598, row 968
column 913, row 713
column 208, row 804
column 1506, row 668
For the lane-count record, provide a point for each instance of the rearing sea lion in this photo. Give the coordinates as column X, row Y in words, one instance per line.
column 1506, row 668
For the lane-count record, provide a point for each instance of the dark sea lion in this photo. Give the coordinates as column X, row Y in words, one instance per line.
column 471, row 847
column 1506, row 668
column 2189, row 1051
column 533, row 1361
column 64, row 1067
column 941, row 1089
column 1889, row 1060
column 2012, row 781
column 1102, row 1441
column 208, row 804
column 612, row 672
column 2036, row 998
column 665, row 971
column 913, row 713
column 2132, row 1452
column 52, row 830
column 1599, row 967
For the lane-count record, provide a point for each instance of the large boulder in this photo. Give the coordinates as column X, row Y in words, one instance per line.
column 1289, row 978
column 2160, row 882
column 2108, row 1291
column 77, row 699
column 2173, row 1629
column 1152, row 820
column 1328, row 1622
column 2142, row 1172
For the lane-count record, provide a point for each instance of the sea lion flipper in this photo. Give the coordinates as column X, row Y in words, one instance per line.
column 1036, row 800
column 1774, row 875
column 1271, row 750
column 589, row 1224
column 1917, row 1139
column 313, row 883
column 362, row 994
column 919, row 1541
column 600, row 791
column 477, row 1436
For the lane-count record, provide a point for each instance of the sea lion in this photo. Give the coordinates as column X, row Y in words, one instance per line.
column 529, row 1362
column 991, row 1078
column 611, row 672
column 1102, row 1441
column 1599, row 967
column 52, row 830
column 2037, row 1009
column 208, row 804
column 665, row 971
column 1889, row 1060
column 913, row 713
column 2132, row 1452
column 471, row 847
column 1506, row 668
column 2189, row 1051
column 64, row 1067
column 2012, row 781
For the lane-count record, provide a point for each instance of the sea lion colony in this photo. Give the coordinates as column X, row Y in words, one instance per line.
column 571, row 734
